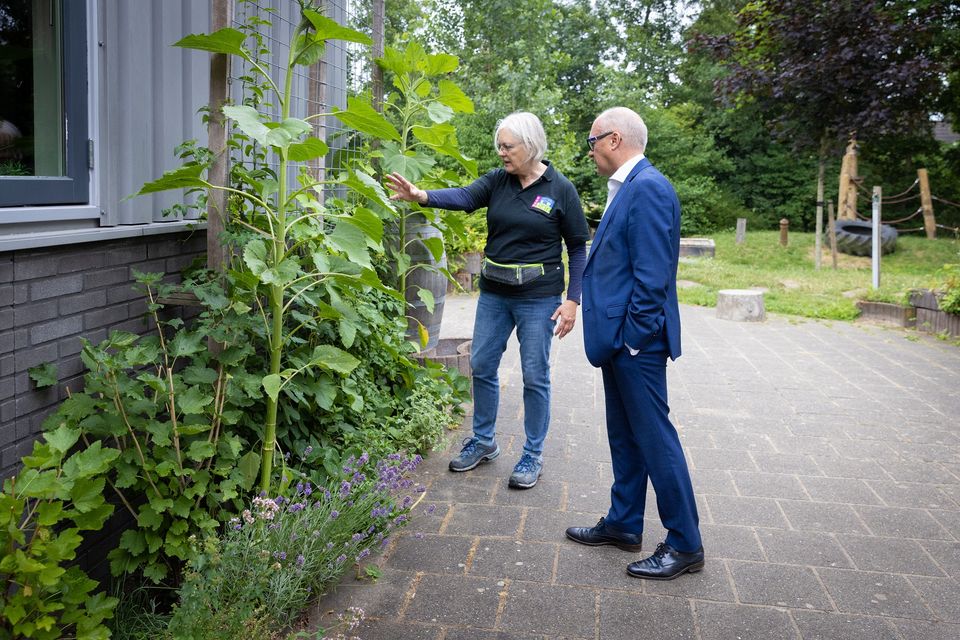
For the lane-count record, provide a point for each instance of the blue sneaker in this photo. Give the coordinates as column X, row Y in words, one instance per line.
column 472, row 454
column 526, row 473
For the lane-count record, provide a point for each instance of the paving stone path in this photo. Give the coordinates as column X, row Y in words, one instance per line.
column 826, row 462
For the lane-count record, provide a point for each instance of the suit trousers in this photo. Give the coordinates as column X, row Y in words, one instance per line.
column 644, row 444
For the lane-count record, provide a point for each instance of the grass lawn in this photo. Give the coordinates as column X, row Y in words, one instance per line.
column 795, row 287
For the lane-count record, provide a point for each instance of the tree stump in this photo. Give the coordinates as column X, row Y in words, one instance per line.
column 741, row 305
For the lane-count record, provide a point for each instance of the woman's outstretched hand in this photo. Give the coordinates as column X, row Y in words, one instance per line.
column 405, row 190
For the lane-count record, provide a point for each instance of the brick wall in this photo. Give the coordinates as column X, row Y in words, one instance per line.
column 49, row 298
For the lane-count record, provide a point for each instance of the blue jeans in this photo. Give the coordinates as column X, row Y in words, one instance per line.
column 496, row 318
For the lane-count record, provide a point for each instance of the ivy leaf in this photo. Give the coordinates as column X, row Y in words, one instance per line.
column 249, row 466
column 91, row 461
column 193, row 400
column 147, row 518
column 335, row 359
column 48, row 513
column 44, row 375
column 225, row 40
column 87, row 493
column 426, row 296
column 361, row 115
column 198, row 374
column 62, row 438
column 200, row 450
column 255, row 256
column 452, row 96
column 185, row 343
column 307, row 150
column 185, row 177
column 439, row 112
column 271, row 384
column 93, row 520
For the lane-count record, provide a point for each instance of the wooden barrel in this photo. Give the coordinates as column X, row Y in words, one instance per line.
column 426, row 277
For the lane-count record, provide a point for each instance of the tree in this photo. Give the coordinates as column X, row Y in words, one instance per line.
column 820, row 69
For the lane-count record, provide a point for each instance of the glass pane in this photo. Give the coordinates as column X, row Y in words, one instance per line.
column 32, row 135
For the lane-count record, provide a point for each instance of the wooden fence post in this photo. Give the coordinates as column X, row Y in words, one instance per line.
column 217, row 202
column 784, row 228
column 926, row 203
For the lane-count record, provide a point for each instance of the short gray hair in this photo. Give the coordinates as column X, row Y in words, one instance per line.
column 628, row 123
column 529, row 129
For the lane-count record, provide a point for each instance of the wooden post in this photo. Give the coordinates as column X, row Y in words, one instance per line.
column 217, row 202
column 832, row 233
column 784, row 228
column 847, row 196
column 818, row 225
column 741, row 230
column 926, row 203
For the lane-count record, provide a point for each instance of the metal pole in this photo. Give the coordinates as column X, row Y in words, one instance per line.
column 875, row 247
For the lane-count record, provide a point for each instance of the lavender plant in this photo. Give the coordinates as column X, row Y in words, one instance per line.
column 283, row 551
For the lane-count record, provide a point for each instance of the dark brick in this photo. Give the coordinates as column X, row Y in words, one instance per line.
column 150, row 266
column 33, row 266
column 25, row 428
column 8, row 387
column 25, row 314
column 39, row 399
column 56, row 329
column 7, row 365
column 70, row 367
column 6, row 342
column 83, row 302
column 21, row 293
column 22, row 382
column 21, row 338
column 8, row 458
column 137, row 308
column 136, row 325
column 106, row 277
column 81, row 261
column 105, row 317
column 122, row 293
column 6, row 295
column 6, row 319
column 126, row 254
column 8, row 411
column 56, row 287
column 164, row 249
column 6, row 268
column 28, row 358
column 177, row 264
column 8, row 430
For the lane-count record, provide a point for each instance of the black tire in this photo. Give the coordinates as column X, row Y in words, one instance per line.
column 855, row 237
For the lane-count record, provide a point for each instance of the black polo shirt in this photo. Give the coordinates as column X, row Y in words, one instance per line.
column 524, row 226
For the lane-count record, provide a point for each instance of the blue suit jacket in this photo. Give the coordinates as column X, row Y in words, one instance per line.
column 630, row 281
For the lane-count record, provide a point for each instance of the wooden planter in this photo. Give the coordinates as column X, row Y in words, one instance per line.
column 930, row 318
column 887, row 313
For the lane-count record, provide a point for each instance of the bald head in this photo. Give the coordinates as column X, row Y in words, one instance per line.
column 629, row 124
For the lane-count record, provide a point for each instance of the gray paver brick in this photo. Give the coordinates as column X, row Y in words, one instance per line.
column 892, row 555
column 822, row 516
column 721, row 621
column 483, row 520
column 874, row 594
column 778, row 585
column 571, row 610
column 817, row 625
column 515, row 559
column 456, row 600
column 431, row 553
column 902, row 523
column 654, row 618
column 759, row 512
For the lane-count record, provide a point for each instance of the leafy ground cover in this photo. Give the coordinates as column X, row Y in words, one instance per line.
column 795, row 287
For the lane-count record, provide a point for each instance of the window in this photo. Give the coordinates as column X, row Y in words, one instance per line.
column 43, row 103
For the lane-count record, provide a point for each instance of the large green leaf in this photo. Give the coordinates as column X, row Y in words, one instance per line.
column 440, row 63
column 394, row 61
column 307, row 150
column 185, row 177
column 327, row 29
column 282, row 134
column 369, row 188
column 435, row 134
column 249, row 466
column 361, row 116
column 225, row 40
column 439, row 112
column 335, row 359
column 426, row 296
column 248, row 119
column 452, row 96
column 255, row 256
column 271, row 384
column 284, row 273
column 435, row 245
column 200, row 450
column 87, row 493
column 308, row 50
column 352, row 241
column 411, row 164
column 367, row 221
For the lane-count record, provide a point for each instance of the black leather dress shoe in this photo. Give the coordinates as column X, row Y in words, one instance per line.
column 666, row 563
column 605, row 534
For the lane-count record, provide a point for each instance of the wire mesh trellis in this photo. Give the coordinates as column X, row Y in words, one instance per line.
column 344, row 70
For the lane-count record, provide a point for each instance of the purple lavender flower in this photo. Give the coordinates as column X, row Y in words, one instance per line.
column 334, row 514
column 357, row 537
column 363, row 459
column 296, row 506
column 344, row 489
column 329, row 546
column 363, row 554
column 300, row 560
column 430, row 509
column 341, row 559
column 307, row 451
column 280, row 555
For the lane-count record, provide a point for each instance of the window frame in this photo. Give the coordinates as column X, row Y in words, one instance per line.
column 73, row 188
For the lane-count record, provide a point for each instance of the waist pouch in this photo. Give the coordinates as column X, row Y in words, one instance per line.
column 515, row 274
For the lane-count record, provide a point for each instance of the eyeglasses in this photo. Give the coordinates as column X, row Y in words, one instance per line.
column 592, row 140
column 507, row 148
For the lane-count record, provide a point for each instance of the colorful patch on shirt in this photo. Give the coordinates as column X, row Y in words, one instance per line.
column 543, row 203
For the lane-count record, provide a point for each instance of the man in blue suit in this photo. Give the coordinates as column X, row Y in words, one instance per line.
column 631, row 325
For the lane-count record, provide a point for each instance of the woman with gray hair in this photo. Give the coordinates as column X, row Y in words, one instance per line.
column 532, row 212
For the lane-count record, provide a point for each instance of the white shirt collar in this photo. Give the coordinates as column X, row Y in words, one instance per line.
column 615, row 181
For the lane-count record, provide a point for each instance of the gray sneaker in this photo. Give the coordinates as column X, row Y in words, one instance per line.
column 526, row 473
column 472, row 454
